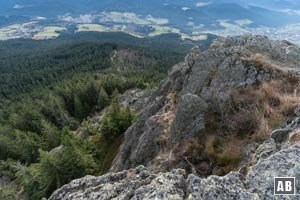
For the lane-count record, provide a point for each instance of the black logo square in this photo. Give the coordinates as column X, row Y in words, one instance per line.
column 284, row 186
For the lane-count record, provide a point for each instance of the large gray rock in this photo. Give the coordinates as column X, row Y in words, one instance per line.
column 218, row 188
column 136, row 99
column 164, row 186
column 134, row 184
column 284, row 163
column 189, row 119
column 142, row 184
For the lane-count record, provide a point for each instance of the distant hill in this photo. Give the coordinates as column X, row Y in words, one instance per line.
column 177, row 12
column 191, row 19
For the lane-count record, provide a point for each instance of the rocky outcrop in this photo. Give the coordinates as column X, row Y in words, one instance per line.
column 141, row 183
column 138, row 183
column 136, row 99
column 165, row 154
column 200, row 82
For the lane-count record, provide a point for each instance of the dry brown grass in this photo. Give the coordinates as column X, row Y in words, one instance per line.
column 231, row 151
column 262, row 62
column 254, row 112
column 263, row 130
column 295, row 138
column 175, row 97
column 191, row 149
column 129, row 174
column 164, row 121
column 226, row 152
column 273, row 101
column 251, row 116
column 210, row 149
column 176, row 148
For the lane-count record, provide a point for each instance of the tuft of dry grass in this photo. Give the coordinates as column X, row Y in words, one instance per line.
column 164, row 121
column 129, row 174
column 210, row 147
column 295, row 138
column 191, row 149
column 262, row 62
column 226, row 152
column 264, row 129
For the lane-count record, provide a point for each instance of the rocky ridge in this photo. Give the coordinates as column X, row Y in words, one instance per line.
column 142, row 183
column 175, row 113
column 168, row 133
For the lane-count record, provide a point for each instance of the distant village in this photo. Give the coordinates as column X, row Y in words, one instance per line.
column 35, row 30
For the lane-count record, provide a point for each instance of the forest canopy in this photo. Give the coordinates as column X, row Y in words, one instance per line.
column 49, row 89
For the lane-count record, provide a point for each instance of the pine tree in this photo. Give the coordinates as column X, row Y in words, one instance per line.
column 56, row 168
column 50, row 135
column 91, row 94
column 127, row 118
column 103, row 99
column 79, row 110
column 116, row 120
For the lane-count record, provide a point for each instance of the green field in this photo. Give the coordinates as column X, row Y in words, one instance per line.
column 200, row 37
column 158, row 21
column 163, row 29
column 125, row 17
column 49, row 32
column 92, row 27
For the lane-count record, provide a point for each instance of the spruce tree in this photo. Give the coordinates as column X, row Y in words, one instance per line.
column 103, row 99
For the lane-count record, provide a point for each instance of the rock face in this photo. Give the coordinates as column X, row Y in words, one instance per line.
column 174, row 116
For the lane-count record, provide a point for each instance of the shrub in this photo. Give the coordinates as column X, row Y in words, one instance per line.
column 116, row 121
